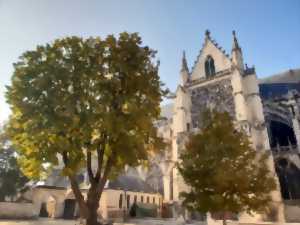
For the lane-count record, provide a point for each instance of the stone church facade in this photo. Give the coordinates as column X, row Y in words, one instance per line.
column 267, row 110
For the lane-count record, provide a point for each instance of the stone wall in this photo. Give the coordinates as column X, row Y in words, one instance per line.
column 13, row 210
column 113, row 197
column 53, row 198
column 216, row 95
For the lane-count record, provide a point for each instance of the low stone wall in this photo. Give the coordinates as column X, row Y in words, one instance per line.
column 13, row 210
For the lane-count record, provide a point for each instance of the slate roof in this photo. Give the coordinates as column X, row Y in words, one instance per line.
column 289, row 76
column 279, row 84
column 130, row 183
column 276, row 90
column 56, row 180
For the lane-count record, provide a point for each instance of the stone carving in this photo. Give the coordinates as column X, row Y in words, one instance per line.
column 217, row 95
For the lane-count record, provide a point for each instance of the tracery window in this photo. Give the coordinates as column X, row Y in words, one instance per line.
column 209, row 67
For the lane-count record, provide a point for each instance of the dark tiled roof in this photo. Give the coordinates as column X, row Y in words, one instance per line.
column 276, row 90
column 130, row 183
column 50, row 187
column 57, row 180
column 289, row 76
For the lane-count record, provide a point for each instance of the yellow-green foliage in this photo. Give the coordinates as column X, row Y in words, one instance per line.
column 75, row 94
column 224, row 172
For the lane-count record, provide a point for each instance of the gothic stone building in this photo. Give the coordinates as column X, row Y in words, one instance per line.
column 267, row 109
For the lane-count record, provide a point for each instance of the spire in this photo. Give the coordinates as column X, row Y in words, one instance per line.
column 184, row 72
column 235, row 44
column 237, row 56
column 184, row 65
column 207, row 34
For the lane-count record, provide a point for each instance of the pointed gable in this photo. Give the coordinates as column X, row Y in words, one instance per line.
column 220, row 59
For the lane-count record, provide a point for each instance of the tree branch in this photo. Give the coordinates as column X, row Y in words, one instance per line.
column 75, row 188
column 100, row 155
column 89, row 166
column 107, row 169
column 79, row 197
column 65, row 158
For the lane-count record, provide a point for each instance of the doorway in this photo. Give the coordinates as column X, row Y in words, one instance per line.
column 69, row 209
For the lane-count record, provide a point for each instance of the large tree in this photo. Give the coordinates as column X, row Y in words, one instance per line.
column 12, row 179
column 223, row 171
column 77, row 99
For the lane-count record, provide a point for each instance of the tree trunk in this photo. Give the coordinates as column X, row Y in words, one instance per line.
column 89, row 207
column 92, row 217
column 93, row 198
column 224, row 219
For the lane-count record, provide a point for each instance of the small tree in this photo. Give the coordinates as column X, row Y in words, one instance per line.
column 81, row 98
column 224, row 172
column 12, row 179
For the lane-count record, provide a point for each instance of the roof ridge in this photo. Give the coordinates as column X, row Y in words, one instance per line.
column 220, row 48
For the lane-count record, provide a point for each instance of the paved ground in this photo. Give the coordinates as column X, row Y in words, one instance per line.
column 39, row 222
column 132, row 222
column 76, row 222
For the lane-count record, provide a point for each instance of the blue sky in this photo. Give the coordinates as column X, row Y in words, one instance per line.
column 268, row 30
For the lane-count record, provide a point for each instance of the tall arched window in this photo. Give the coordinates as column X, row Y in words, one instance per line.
column 128, row 201
column 135, row 199
column 209, row 66
column 121, row 201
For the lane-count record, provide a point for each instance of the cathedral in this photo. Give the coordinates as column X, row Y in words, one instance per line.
column 266, row 109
